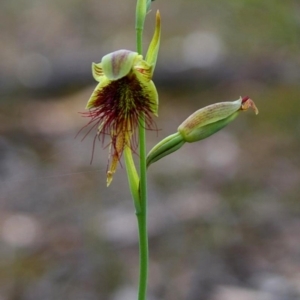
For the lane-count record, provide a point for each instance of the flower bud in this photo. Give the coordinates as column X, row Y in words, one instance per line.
column 210, row 119
column 200, row 125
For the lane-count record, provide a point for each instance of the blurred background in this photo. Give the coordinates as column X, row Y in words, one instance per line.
column 223, row 213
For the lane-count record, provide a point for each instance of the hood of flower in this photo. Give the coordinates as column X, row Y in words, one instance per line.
column 120, row 63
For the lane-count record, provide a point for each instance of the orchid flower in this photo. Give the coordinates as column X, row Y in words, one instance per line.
column 124, row 92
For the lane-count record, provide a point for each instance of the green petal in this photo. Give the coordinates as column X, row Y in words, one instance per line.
column 149, row 89
column 94, row 97
column 133, row 177
column 142, row 70
column 97, row 71
column 153, row 98
column 143, row 73
column 152, row 52
column 118, row 64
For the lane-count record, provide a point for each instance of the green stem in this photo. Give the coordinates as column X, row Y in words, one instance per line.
column 140, row 15
column 142, row 216
column 142, row 213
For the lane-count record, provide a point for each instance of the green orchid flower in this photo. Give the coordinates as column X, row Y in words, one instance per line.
column 125, row 92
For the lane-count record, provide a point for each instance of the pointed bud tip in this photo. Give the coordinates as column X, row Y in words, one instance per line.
column 248, row 102
column 109, row 178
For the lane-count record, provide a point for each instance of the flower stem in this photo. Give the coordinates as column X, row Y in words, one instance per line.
column 140, row 15
column 142, row 213
column 142, row 217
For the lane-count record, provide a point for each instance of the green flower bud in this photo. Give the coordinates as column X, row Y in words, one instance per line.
column 210, row 119
column 200, row 125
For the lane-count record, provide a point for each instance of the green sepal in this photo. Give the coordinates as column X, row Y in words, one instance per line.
column 133, row 178
column 97, row 71
column 152, row 53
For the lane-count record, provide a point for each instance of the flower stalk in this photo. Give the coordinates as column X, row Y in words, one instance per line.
column 141, row 9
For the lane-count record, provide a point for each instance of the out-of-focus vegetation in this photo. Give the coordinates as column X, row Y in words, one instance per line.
column 224, row 213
